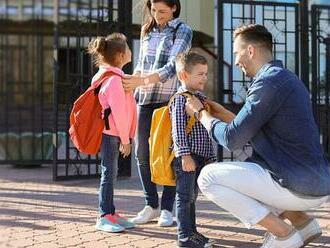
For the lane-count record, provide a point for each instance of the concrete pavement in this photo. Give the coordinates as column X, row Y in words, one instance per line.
column 36, row 212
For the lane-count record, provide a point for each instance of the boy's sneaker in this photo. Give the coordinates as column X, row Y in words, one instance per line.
column 123, row 221
column 310, row 231
column 206, row 240
column 166, row 218
column 293, row 240
column 108, row 223
column 192, row 242
column 146, row 215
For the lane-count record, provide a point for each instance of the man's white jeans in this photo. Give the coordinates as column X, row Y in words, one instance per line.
column 248, row 191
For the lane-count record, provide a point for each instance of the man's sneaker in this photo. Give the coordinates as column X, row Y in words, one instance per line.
column 123, row 221
column 166, row 218
column 206, row 240
column 293, row 240
column 146, row 215
column 310, row 231
column 192, row 242
column 108, row 224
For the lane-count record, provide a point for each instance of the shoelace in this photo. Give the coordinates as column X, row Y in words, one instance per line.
column 119, row 214
column 194, row 238
column 201, row 236
column 111, row 218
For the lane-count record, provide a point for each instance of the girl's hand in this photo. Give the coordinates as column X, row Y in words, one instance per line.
column 131, row 82
column 125, row 149
column 188, row 164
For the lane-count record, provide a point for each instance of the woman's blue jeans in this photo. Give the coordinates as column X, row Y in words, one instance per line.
column 142, row 155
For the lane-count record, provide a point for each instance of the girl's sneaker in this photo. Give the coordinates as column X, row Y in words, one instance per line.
column 108, row 223
column 123, row 221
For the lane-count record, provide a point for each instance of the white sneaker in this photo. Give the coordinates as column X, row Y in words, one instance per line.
column 146, row 215
column 310, row 231
column 294, row 240
column 166, row 218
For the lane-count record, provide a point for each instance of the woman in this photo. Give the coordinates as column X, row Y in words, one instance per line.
column 163, row 37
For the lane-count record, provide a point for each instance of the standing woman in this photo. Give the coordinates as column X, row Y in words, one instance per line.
column 163, row 37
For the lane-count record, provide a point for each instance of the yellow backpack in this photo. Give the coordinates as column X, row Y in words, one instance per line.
column 160, row 143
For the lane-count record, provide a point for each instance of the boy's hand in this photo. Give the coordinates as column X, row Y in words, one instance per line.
column 193, row 104
column 188, row 164
column 125, row 149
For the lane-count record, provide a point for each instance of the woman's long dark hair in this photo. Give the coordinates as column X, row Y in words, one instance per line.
column 148, row 21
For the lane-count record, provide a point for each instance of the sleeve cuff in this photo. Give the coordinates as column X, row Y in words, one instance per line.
column 164, row 75
column 214, row 122
column 125, row 140
column 182, row 152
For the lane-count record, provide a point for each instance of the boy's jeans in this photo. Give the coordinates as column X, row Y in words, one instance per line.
column 186, row 195
column 142, row 155
column 109, row 166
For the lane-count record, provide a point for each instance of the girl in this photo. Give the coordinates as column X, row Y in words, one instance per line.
column 163, row 37
column 110, row 54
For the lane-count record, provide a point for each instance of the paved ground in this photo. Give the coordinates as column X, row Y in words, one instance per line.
column 36, row 212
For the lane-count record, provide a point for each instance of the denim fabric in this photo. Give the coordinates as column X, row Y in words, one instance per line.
column 277, row 119
column 109, row 167
column 142, row 155
column 186, row 195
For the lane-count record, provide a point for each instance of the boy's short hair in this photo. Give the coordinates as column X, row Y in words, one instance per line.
column 255, row 33
column 187, row 60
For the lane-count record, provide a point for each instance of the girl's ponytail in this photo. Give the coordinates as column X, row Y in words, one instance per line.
column 106, row 49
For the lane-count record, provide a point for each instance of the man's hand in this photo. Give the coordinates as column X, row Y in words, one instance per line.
column 220, row 112
column 193, row 105
column 125, row 149
column 188, row 164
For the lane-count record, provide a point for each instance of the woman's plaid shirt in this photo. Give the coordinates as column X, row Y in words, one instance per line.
column 157, row 54
column 197, row 141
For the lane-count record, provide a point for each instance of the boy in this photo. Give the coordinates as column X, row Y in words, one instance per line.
column 191, row 150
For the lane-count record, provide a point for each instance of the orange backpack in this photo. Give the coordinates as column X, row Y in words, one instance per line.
column 86, row 123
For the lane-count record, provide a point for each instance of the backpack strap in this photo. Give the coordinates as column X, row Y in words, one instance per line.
column 107, row 111
column 191, row 120
column 102, row 79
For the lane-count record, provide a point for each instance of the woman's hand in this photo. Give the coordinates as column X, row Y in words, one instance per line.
column 125, row 149
column 193, row 105
column 131, row 82
column 188, row 164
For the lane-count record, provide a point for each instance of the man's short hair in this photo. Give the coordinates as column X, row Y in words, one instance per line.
column 187, row 60
column 255, row 33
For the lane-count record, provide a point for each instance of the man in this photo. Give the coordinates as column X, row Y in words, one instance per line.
column 287, row 172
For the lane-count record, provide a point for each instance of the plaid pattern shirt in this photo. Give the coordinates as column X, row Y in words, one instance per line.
column 198, row 140
column 157, row 54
